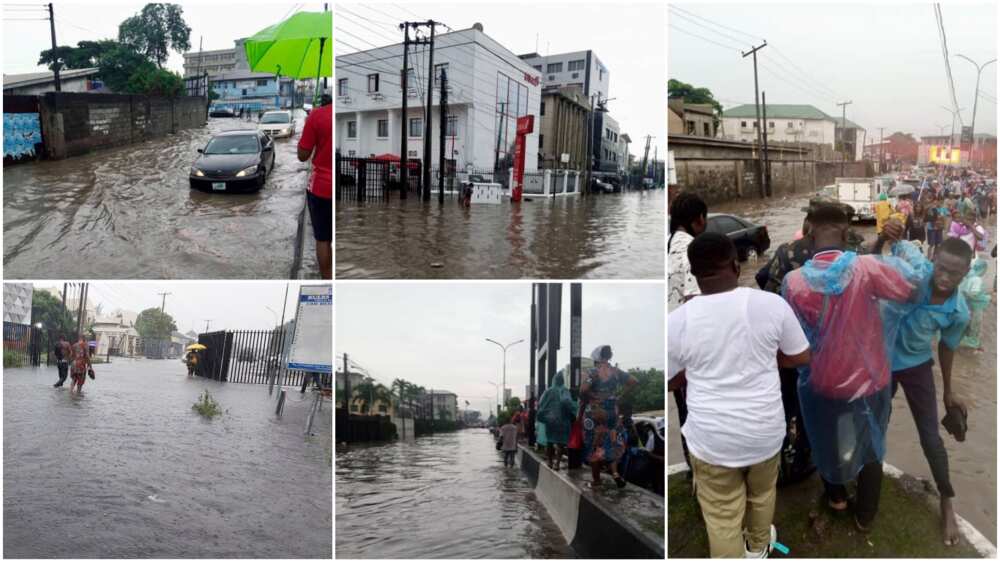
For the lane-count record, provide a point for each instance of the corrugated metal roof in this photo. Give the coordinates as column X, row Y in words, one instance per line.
column 778, row 111
column 33, row 78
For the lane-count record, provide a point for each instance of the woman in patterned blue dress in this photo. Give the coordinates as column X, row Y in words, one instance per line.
column 603, row 425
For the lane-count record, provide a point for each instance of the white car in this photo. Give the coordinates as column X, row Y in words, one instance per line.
column 277, row 124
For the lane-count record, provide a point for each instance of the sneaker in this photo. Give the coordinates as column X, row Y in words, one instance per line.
column 767, row 551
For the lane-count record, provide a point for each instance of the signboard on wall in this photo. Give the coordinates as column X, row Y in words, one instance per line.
column 525, row 126
column 312, row 342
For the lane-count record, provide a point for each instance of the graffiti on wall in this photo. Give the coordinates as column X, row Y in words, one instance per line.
column 21, row 132
column 101, row 117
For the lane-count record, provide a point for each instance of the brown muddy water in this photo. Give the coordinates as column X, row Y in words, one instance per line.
column 446, row 495
column 973, row 463
column 128, row 212
column 611, row 236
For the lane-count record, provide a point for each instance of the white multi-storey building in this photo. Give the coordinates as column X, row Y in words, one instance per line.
column 788, row 123
column 579, row 68
column 489, row 88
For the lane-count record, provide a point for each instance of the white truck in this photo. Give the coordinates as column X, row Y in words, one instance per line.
column 862, row 194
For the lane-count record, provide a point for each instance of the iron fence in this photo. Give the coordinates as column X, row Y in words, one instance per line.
column 22, row 345
column 365, row 179
column 249, row 356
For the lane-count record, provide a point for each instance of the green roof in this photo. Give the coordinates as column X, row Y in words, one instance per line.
column 786, row 111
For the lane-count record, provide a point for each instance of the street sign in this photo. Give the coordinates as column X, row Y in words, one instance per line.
column 525, row 126
column 312, row 342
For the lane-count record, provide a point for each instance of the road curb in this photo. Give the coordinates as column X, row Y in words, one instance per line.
column 595, row 528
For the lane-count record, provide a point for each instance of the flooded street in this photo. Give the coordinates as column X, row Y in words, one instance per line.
column 128, row 212
column 973, row 462
column 614, row 236
column 445, row 495
column 128, row 470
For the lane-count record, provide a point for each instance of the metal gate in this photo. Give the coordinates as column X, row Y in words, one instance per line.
column 22, row 345
column 365, row 179
column 248, row 356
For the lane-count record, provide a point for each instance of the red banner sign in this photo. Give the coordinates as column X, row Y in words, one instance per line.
column 533, row 80
column 525, row 126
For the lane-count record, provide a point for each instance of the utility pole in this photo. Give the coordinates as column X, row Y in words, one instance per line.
column 767, row 159
column 656, row 167
column 64, row 294
column 404, row 184
column 645, row 157
column 843, row 135
column 55, row 64
column 881, row 150
column 975, row 103
column 163, row 304
column 756, row 98
column 207, row 322
column 427, row 121
column 443, row 111
column 347, row 399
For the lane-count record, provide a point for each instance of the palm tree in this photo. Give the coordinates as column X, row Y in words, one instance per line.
column 363, row 393
column 400, row 385
column 381, row 395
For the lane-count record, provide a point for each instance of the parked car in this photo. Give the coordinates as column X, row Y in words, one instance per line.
column 277, row 124
column 599, row 185
column 750, row 239
column 233, row 161
column 216, row 111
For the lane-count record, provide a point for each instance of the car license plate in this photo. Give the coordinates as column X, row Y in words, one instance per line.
column 218, row 186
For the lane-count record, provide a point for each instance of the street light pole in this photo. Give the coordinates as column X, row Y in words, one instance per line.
column 504, row 348
column 975, row 102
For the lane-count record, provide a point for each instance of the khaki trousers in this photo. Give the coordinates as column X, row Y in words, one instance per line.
column 730, row 495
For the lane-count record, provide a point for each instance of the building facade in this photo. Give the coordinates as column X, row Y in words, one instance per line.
column 785, row 123
column 488, row 86
column 609, row 155
column 115, row 337
column 81, row 80
column 580, row 69
column 445, row 405
column 692, row 119
column 562, row 136
column 215, row 62
column 17, row 298
column 229, row 75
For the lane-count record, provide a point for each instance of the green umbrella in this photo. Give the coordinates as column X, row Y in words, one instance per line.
column 298, row 47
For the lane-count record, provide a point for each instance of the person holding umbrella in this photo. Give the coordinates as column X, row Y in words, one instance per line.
column 299, row 47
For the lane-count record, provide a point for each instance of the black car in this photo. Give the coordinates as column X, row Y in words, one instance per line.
column 747, row 237
column 216, row 111
column 233, row 161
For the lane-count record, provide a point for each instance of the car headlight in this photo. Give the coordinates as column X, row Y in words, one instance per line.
column 247, row 171
column 283, row 132
column 197, row 172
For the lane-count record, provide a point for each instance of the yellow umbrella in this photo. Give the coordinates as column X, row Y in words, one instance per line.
column 196, row 346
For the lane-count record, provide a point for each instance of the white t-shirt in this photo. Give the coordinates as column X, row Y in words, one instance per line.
column 680, row 282
column 727, row 345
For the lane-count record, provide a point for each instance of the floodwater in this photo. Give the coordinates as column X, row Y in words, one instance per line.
column 973, row 462
column 128, row 212
column 612, row 236
column 445, row 495
column 129, row 470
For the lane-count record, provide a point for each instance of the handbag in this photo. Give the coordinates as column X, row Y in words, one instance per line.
column 575, row 435
column 499, row 444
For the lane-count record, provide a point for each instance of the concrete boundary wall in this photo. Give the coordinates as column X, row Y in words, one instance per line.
column 972, row 535
column 592, row 525
column 75, row 123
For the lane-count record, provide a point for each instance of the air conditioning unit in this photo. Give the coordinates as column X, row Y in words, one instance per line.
column 344, row 100
column 411, row 93
column 411, row 153
column 377, row 96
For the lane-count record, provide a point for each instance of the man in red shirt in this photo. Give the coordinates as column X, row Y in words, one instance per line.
column 317, row 141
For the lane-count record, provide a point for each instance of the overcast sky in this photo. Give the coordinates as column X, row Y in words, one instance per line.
column 627, row 37
column 885, row 57
column 433, row 334
column 230, row 306
column 220, row 23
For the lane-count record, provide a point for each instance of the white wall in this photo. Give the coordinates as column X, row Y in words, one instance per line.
column 802, row 130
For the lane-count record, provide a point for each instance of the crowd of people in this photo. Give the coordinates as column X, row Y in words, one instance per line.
column 599, row 425
column 811, row 362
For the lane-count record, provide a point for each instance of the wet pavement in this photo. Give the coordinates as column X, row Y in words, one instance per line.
column 445, row 495
column 128, row 212
column 613, row 236
column 972, row 463
column 129, row 470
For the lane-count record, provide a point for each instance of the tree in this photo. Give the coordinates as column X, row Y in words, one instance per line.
column 155, row 82
column 153, row 324
column 156, row 30
column 55, row 319
column 648, row 394
column 86, row 54
column 118, row 65
column 690, row 94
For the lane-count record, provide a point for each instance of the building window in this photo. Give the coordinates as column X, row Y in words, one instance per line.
column 553, row 67
column 416, row 127
column 690, row 127
column 372, row 83
column 452, row 127
column 577, row 65
column 410, row 80
column 770, row 125
column 541, row 142
column 537, row 67
column 262, row 82
column 551, row 77
column 352, row 129
column 383, row 128
column 342, row 87
column 541, row 109
column 790, row 125
column 743, row 124
column 600, row 74
column 576, row 75
column 708, row 129
column 437, row 72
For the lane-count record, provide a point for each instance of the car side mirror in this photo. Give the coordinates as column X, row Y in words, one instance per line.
column 201, row 151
